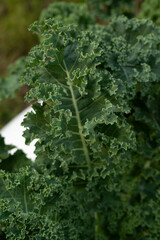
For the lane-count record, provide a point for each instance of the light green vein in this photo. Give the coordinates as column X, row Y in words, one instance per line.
column 85, row 149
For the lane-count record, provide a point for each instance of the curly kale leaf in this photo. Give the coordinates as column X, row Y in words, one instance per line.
column 89, row 87
column 80, row 110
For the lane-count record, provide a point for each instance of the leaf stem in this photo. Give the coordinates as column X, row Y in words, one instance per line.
column 85, row 149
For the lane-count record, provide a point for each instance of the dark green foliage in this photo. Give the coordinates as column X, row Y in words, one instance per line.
column 94, row 176
column 97, row 174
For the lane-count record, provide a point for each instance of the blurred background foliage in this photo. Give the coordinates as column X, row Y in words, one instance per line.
column 16, row 40
column 151, row 9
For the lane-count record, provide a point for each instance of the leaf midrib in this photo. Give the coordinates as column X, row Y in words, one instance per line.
column 80, row 128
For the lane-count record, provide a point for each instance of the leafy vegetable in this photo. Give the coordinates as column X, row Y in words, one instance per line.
column 97, row 174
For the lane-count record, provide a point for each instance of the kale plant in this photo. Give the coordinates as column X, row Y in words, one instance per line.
column 97, row 174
